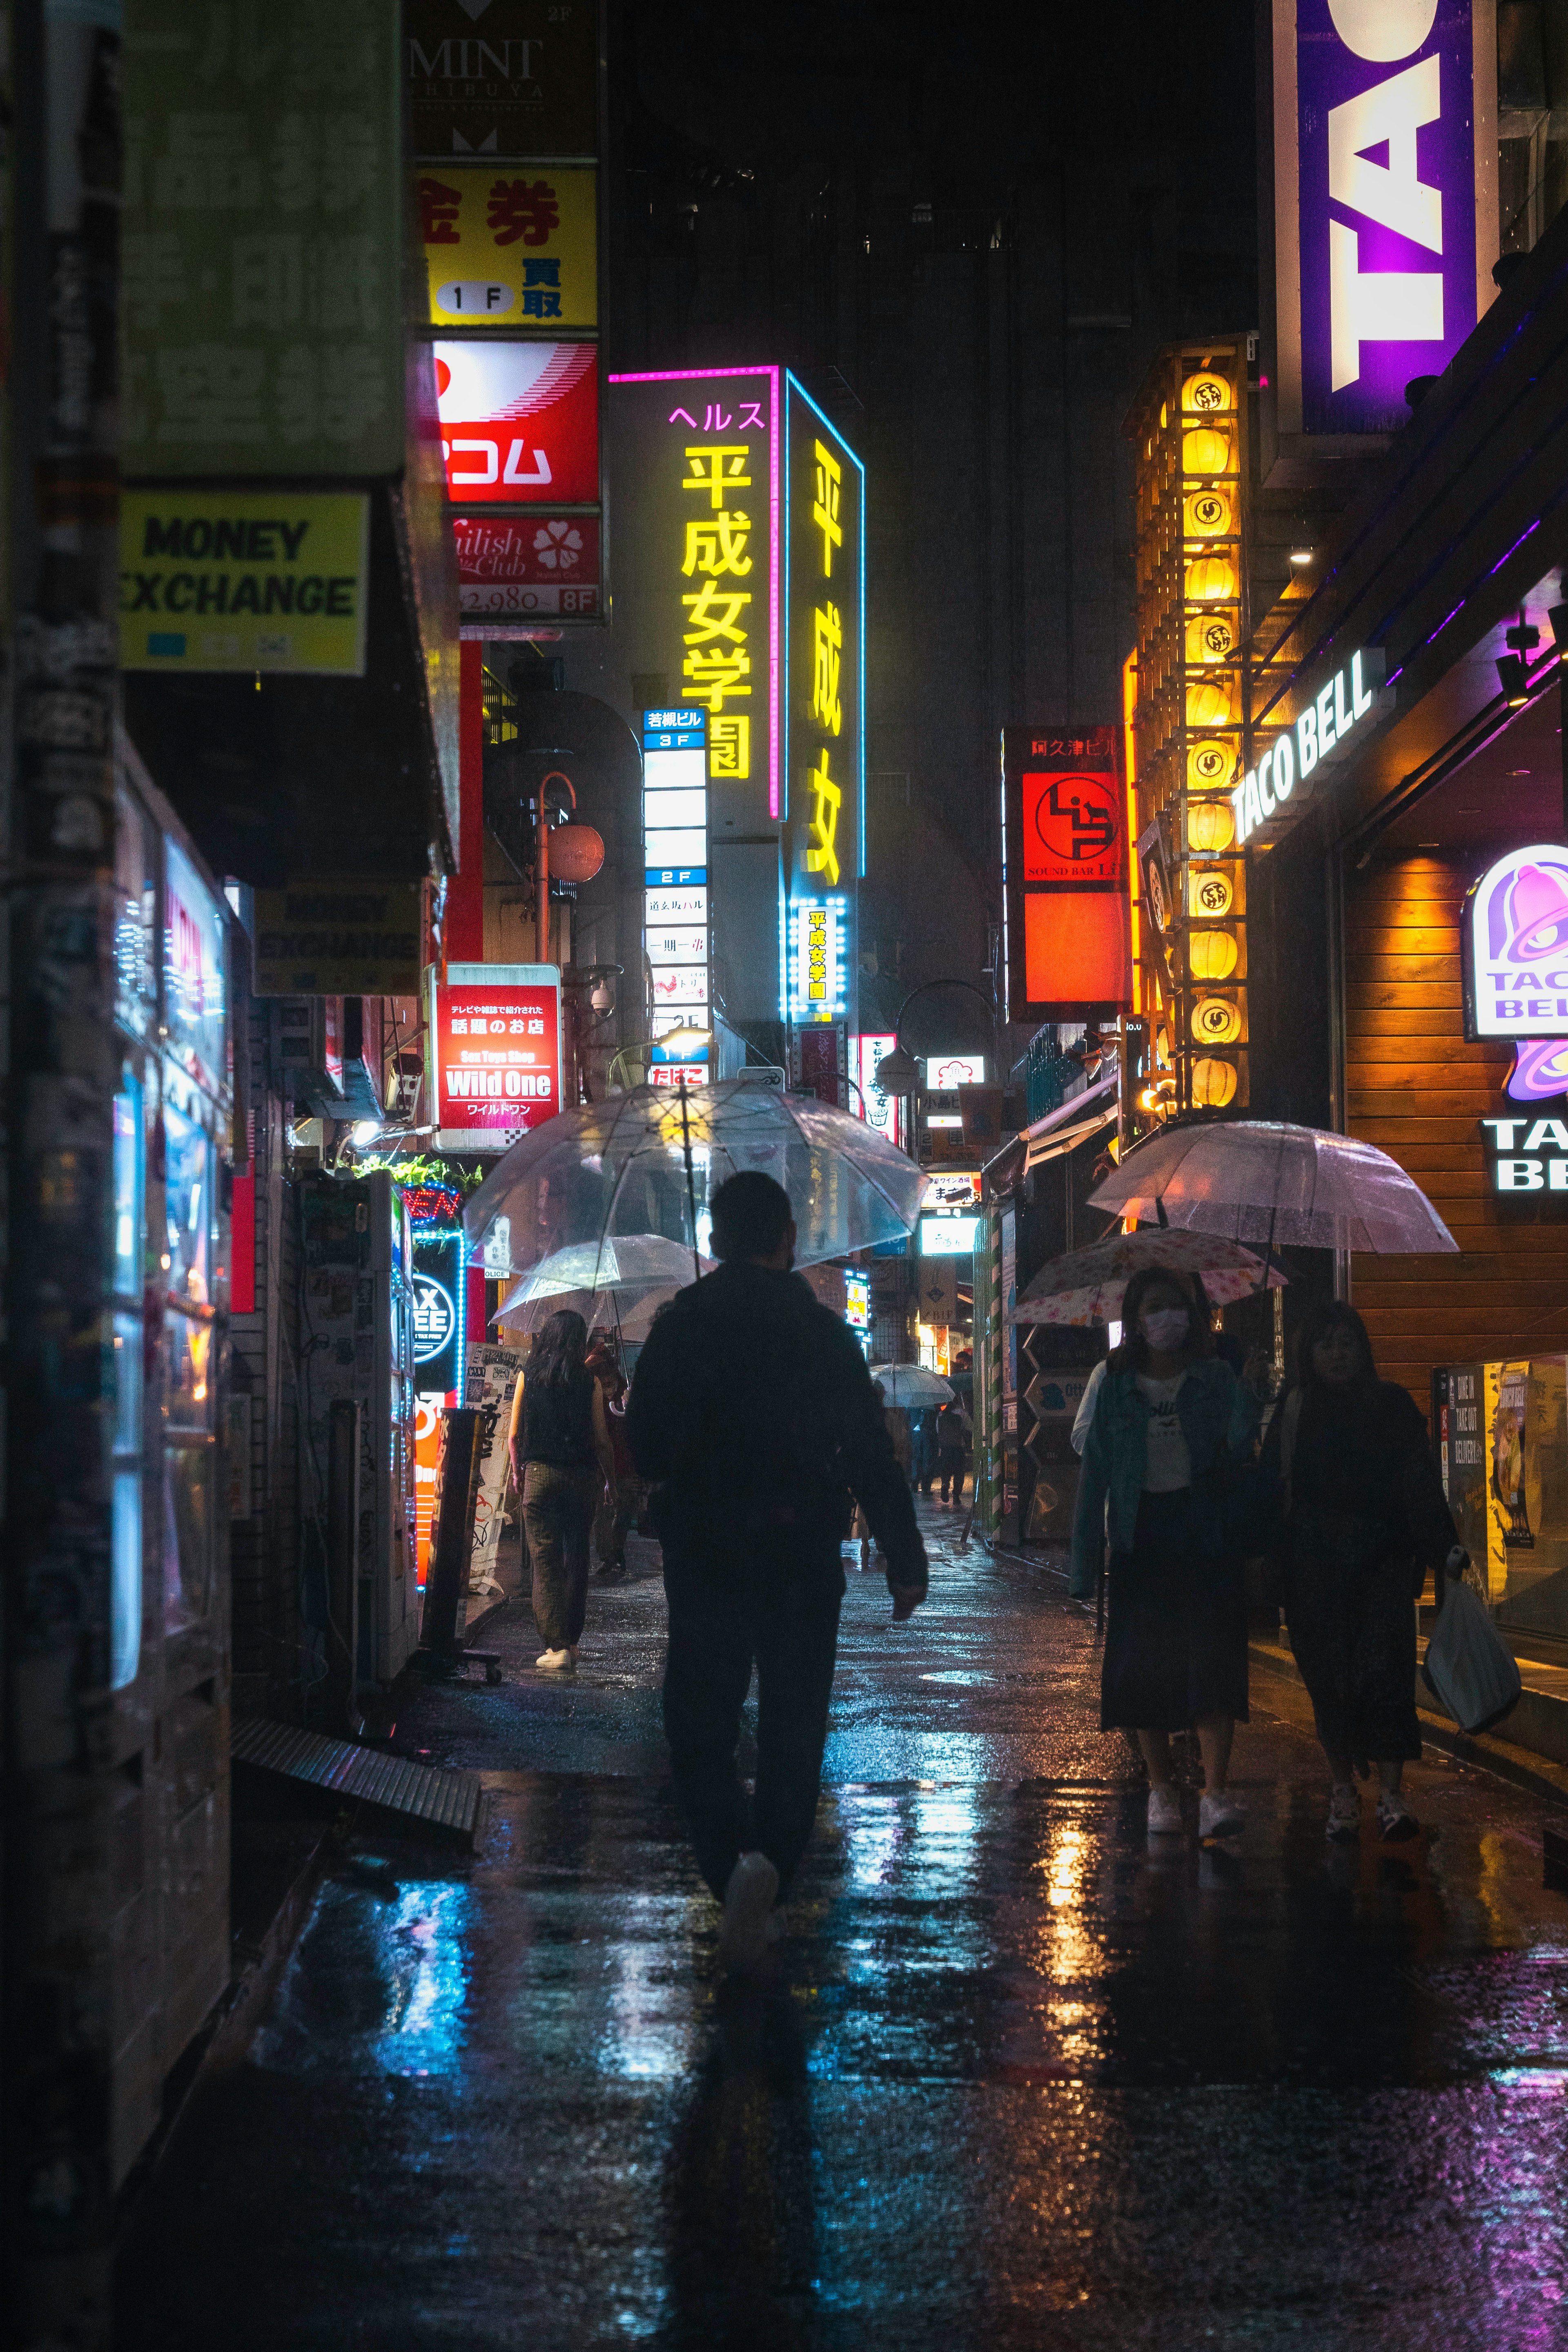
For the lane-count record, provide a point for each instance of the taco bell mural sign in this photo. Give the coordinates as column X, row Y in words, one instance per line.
column 1516, row 966
column 1384, row 200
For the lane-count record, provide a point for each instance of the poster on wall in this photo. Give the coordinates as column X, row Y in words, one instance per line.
column 490, row 1378
column 502, row 77
column 1385, row 209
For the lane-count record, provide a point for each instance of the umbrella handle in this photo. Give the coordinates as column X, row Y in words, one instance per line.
column 691, row 1183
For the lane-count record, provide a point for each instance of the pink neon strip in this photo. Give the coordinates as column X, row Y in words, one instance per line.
column 693, row 375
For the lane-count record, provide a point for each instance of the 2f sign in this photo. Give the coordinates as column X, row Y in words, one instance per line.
column 1384, row 198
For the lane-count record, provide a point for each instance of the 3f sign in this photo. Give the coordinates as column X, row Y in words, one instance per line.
column 1385, row 206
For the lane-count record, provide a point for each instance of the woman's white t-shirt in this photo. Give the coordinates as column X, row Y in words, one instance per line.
column 1168, row 1466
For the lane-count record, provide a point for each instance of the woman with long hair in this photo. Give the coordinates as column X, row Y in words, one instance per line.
column 562, row 1457
column 1169, row 1418
column 1364, row 1517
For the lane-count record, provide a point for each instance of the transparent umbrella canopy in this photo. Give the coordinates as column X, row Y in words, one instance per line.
column 1271, row 1184
column 911, row 1384
column 647, row 1163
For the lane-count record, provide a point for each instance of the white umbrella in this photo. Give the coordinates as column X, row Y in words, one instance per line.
column 910, row 1384
column 1088, row 1286
column 649, row 1161
column 627, row 1263
column 1264, row 1181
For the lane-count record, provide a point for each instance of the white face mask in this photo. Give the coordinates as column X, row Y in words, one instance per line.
column 1165, row 1328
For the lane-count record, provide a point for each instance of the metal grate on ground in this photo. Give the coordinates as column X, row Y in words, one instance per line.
column 430, row 1794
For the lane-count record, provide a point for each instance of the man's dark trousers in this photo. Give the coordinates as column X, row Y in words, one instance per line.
column 776, row 1605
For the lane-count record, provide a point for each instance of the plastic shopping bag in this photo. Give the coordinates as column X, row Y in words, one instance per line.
column 1467, row 1668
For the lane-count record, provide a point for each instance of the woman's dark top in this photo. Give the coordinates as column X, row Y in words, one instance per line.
column 1361, row 1453
column 558, row 1422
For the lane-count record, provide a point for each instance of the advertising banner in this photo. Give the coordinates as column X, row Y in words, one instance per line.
column 492, row 1376
column 496, row 1053
column 262, row 236
column 880, row 1111
column 347, row 938
column 509, row 249
column 519, row 422
column 502, row 77
column 515, row 566
column 1385, row 201
column 1065, row 873
column 243, row 580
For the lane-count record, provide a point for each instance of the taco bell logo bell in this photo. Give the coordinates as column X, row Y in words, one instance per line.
column 1379, row 273
column 1516, row 947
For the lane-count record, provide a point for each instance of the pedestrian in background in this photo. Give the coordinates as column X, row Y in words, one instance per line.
column 1168, row 1421
column 620, row 1501
column 561, row 1456
column 753, row 1408
column 953, row 1438
column 1362, row 1517
column 923, row 1432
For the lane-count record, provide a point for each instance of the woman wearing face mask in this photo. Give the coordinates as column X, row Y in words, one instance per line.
column 1365, row 1517
column 1168, row 1420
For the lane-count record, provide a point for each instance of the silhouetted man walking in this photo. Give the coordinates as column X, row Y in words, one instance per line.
column 752, row 1408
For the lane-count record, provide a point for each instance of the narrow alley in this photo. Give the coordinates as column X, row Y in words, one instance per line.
column 1022, row 2077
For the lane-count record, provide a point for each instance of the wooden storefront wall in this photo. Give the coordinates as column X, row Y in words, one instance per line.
column 1416, row 1089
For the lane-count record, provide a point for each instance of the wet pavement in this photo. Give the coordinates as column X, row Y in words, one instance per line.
column 1021, row 2079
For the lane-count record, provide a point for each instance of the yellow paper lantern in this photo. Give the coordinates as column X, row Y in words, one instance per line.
column 1206, row 393
column 1210, row 893
column 1210, row 764
column 1210, row 826
column 1215, row 1021
column 1206, row 452
column 1213, row 1083
column 1208, row 514
column 1210, row 638
column 1208, row 701
column 1210, row 580
column 1212, row 954
column 1164, row 416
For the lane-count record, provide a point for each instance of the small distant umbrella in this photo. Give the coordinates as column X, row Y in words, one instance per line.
column 910, row 1384
column 1088, row 1286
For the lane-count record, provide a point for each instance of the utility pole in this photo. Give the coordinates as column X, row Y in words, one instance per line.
column 60, row 188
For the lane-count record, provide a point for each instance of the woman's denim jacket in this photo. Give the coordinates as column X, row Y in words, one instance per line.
column 1219, row 1417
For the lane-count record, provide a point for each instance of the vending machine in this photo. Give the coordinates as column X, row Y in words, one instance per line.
column 357, row 1340
column 1502, row 1447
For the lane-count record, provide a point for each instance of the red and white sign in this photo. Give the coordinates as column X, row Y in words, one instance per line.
column 519, row 423
column 527, row 563
column 497, row 1044
column 678, row 1073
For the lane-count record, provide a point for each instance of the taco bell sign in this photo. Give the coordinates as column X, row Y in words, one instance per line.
column 1516, row 947
column 1384, row 200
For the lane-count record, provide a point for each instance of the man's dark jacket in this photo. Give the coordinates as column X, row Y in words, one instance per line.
column 752, row 1408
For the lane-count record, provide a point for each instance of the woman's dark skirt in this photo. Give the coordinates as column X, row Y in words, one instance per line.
column 1350, row 1606
column 1175, row 1627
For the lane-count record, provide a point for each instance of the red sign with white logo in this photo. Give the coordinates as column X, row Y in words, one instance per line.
column 1074, row 826
column 497, row 1061
column 527, row 563
column 519, row 422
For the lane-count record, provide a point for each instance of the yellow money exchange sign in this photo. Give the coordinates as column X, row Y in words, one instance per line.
column 243, row 580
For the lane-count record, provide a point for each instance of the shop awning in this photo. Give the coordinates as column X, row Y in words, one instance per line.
column 1070, row 1123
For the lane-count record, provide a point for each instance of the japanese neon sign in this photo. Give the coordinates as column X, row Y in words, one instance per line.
column 495, row 1042
column 824, row 688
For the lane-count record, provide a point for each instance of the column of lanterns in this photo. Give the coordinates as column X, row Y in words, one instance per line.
column 1189, row 428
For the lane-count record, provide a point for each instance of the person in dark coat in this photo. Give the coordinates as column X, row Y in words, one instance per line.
column 1364, row 1517
column 753, row 1409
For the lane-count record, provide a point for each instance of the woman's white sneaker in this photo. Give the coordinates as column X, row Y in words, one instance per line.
column 1220, row 1815
column 1395, row 1821
column 1165, row 1810
column 557, row 1662
column 748, row 1900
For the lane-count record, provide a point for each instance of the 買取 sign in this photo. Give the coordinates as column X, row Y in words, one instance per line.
column 243, row 580
column 1384, row 200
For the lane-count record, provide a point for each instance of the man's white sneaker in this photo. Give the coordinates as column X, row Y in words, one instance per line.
column 748, row 1902
column 1395, row 1821
column 1343, row 1822
column 1165, row 1810
column 557, row 1662
column 1220, row 1815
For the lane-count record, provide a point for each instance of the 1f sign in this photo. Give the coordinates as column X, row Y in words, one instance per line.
column 1384, row 200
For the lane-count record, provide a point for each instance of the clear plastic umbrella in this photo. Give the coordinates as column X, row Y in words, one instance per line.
column 628, row 1264
column 1264, row 1181
column 910, row 1384
column 648, row 1161
column 1088, row 1286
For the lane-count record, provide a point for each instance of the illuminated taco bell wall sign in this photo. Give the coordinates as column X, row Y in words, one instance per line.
column 1516, row 960
column 1384, row 200
column 1321, row 734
